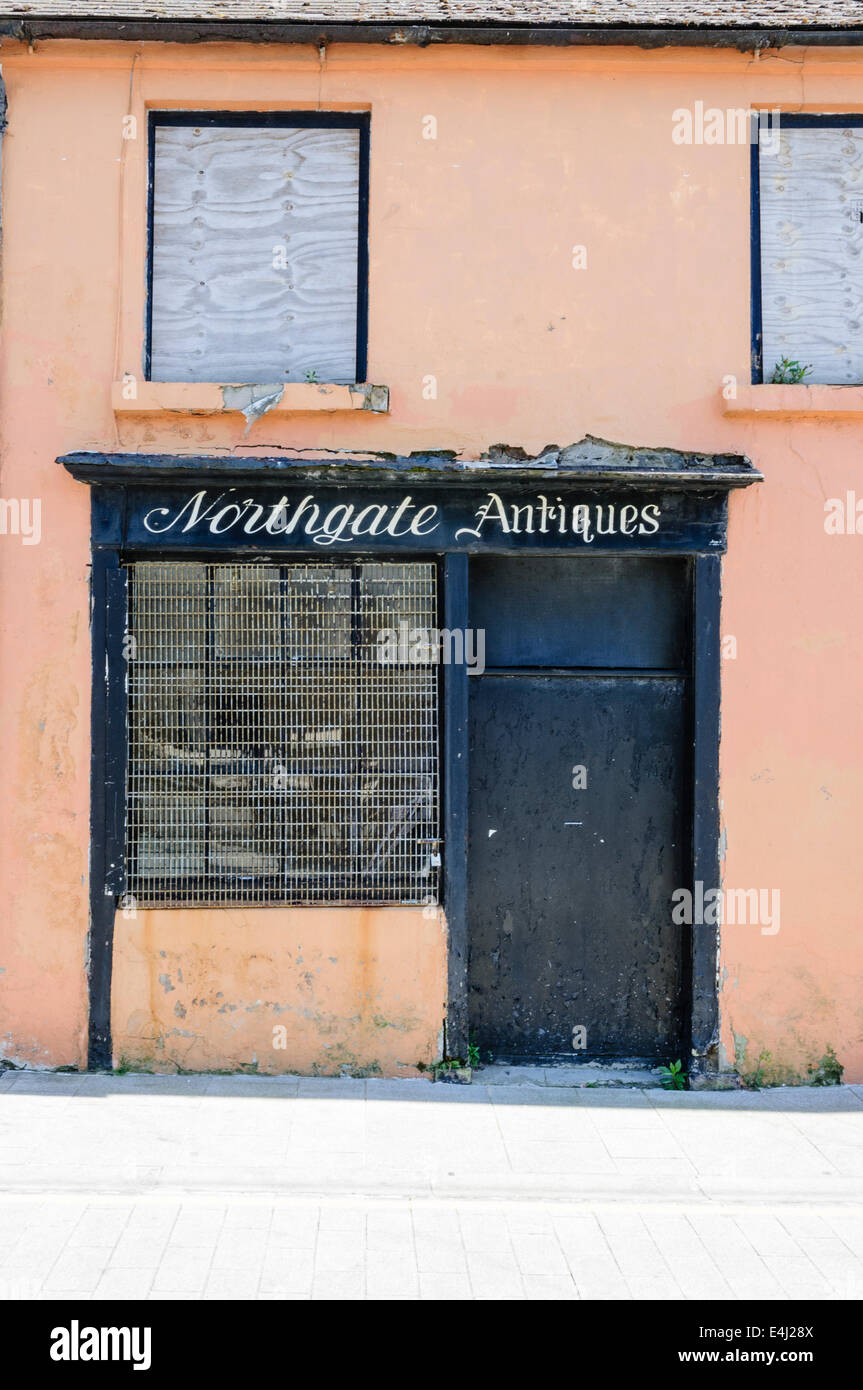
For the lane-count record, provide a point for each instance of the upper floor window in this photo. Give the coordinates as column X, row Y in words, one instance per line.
column 808, row 250
column 258, row 247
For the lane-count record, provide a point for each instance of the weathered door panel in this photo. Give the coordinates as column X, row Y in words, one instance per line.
column 570, row 889
column 604, row 611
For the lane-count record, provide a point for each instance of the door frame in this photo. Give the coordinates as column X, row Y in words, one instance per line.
column 701, row 991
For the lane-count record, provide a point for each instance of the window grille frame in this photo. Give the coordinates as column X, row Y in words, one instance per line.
column 212, row 558
column 282, row 119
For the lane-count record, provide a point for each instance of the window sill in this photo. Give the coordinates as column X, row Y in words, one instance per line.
column 209, row 398
column 795, row 400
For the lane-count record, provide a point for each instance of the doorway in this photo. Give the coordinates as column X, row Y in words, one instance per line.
column 580, row 801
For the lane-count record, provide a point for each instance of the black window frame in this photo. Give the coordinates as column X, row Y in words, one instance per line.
column 343, row 120
column 352, row 559
column 798, row 120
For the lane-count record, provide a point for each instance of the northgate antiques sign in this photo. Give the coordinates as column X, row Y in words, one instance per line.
column 327, row 523
column 459, row 519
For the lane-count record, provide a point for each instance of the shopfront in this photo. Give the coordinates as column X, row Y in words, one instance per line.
column 485, row 695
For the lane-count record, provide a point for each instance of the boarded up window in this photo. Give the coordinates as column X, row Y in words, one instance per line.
column 282, row 746
column 256, row 242
column 811, row 215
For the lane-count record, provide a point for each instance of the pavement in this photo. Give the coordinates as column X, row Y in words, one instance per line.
column 527, row 1184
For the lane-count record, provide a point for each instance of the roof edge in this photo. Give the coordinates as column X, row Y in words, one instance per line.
column 166, row 30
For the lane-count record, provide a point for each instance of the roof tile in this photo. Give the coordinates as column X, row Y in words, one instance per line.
column 707, row 13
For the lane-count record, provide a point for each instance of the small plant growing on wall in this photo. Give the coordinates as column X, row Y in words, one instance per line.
column 788, row 372
column 754, row 1080
column 454, row 1069
column 673, row 1077
column 827, row 1072
column 311, row 375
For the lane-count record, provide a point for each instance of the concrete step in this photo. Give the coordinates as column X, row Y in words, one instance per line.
column 572, row 1075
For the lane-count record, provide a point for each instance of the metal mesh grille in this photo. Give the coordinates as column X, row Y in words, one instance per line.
column 278, row 751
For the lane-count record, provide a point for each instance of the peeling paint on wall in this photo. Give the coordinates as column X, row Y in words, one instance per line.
column 361, row 989
column 252, row 401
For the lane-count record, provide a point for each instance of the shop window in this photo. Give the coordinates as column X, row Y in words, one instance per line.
column 258, row 261
column 282, row 740
column 808, row 250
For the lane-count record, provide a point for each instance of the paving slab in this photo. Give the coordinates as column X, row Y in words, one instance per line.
column 349, row 1188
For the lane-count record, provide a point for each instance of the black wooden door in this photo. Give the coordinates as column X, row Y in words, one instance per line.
column 578, row 794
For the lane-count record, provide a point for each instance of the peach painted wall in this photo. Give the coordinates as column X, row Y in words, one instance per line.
column 472, row 283
column 280, row 989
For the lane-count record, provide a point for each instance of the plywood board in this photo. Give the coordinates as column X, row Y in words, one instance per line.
column 255, row 234
column 811, row 197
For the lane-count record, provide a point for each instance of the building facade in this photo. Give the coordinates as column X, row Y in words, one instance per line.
column 431, row 546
